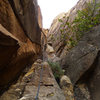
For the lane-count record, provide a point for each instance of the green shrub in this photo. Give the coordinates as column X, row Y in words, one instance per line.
column 52, row 38
column 57, row 70
column 87, row 18
column 60, row 20
column 84, row 21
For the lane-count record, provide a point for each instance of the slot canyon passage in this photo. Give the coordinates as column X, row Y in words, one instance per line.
column 59, row 63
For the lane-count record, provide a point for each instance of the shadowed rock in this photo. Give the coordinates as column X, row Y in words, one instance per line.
column 27, row 13
column 16, row 48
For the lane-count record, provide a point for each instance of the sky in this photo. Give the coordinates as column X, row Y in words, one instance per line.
column 51, row 8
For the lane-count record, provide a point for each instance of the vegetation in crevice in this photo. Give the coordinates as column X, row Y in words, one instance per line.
column 56, row 69
column 52, row 37
column 71, row 32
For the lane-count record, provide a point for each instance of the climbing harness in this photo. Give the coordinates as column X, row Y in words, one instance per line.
column 41, row 73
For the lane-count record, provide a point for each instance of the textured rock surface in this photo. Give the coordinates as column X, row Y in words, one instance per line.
column 84, row 58
column 81, row 57
column 94, row 81
column 81, row 92
column 19, row 48
column 51, row 54
column 16, row 49
column 8, row 46
column 9, row 21
column 81, row 63
column 40, row 17
column 27, row 12
column 54, row 34
column 67, row 87
column 26, row 86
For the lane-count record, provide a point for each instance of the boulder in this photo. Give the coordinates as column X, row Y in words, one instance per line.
column 67, row 87
column 81, row 64
column 82, row 56
column 51, row 54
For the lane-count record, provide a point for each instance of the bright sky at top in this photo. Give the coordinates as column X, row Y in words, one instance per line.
column 51, row 8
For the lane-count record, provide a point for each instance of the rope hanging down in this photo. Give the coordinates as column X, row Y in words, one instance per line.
column 41, row 76
column 41, row 73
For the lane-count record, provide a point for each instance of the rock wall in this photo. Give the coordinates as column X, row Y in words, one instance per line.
column 40, row 17
column 55, row 35
column 26, row 87
column 19, row 38
column 82, row 56
column 81, row 63
column 27, row 13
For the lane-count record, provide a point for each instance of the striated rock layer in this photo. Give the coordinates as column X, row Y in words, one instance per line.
column 19, row 38
column 55, row 36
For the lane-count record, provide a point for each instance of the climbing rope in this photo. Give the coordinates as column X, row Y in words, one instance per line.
column 41, row 73
column 41, row 76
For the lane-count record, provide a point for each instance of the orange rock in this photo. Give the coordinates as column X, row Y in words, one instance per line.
column 16, row 48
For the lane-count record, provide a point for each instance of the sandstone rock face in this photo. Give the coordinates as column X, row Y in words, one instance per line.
column 27, row 85
column 54, row 34
column 82, row 62
column 81, row 57
column 16, row 47
column 27, row 12
column 51, row 54
column 9, row 21
column 40, row 17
